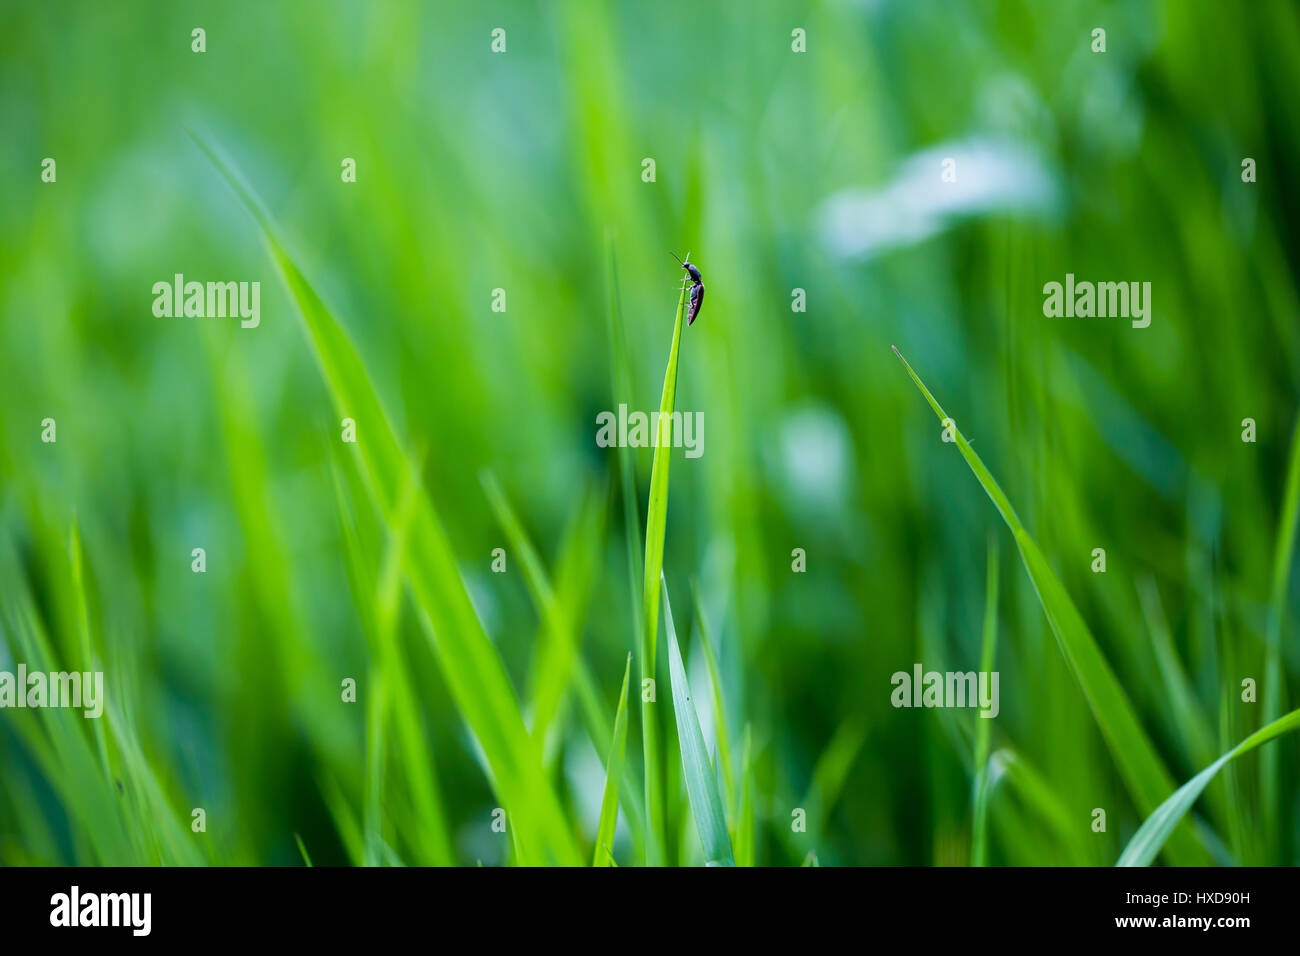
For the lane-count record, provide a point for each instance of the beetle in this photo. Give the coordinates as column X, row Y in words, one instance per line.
column 697, row 286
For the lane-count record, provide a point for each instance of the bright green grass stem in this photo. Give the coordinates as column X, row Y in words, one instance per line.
column 655, row 525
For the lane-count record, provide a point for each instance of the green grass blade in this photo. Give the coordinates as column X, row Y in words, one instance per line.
column 828, row 776
column 576, row 571
column 1189, row 722
column 719, row 710
column 471, row 663
column 604, row 852
column 1155, row 830
column 345, row 822
column 378, row 602
column 655, row 525
column 539, row 586
column 599, row 729
column 376, row 751
column 697, row 769
column 561, row 607
column 1143, row 772
column 546, row 599
column 983, row 730
column 1274, row 690
column 302, row 850
column 657, row 511
column 142, row 829
column 745, row 816
column 77, row 559
column 1038, row 795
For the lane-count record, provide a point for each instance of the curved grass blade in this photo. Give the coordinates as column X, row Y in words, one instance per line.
column 576, row 571
column 77, row 558
column 1143, row 772
column 1274, row 688
column 1038, row 796
column 833, row 766
column 1151, row 836
column 471, row 663
column 539, row 586
column 546, row 600
column 657, row 510
column 302, row 850
column 719, row 710
column 826, row 782
column 345, row 822
column 378, row 602
column 1188, row 719
column 604, row 851
column 599, row 728
column 143, row 829
column 697, row 769
column 562, row 608
column 656, row 521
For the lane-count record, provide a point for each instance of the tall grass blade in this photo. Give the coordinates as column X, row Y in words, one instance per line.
column 604, row 852
column 826, row 782
column 719, row 709
column 599, row 728
column 471, row 663
column 1151, row 836
column 576, row 574
column 562, row 607
column 655, row 525
column 745, row 837
column 345, row 822
column 983, row 730
column 1143, row 772
column 379, row 602
column 697, row 770
column 140, row 830
column 302, row 850
column 1274, row 688
column 77, row 558
column 1189, row 722
column 376, row 751
column 1038, row 795
column 547, row 600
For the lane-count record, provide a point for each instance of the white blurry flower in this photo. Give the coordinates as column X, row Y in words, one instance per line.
column 992, row 176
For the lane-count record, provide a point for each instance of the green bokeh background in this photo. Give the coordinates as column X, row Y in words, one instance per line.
column 523, row 171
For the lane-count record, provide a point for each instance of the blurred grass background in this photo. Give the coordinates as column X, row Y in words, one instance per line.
column 777, row 171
